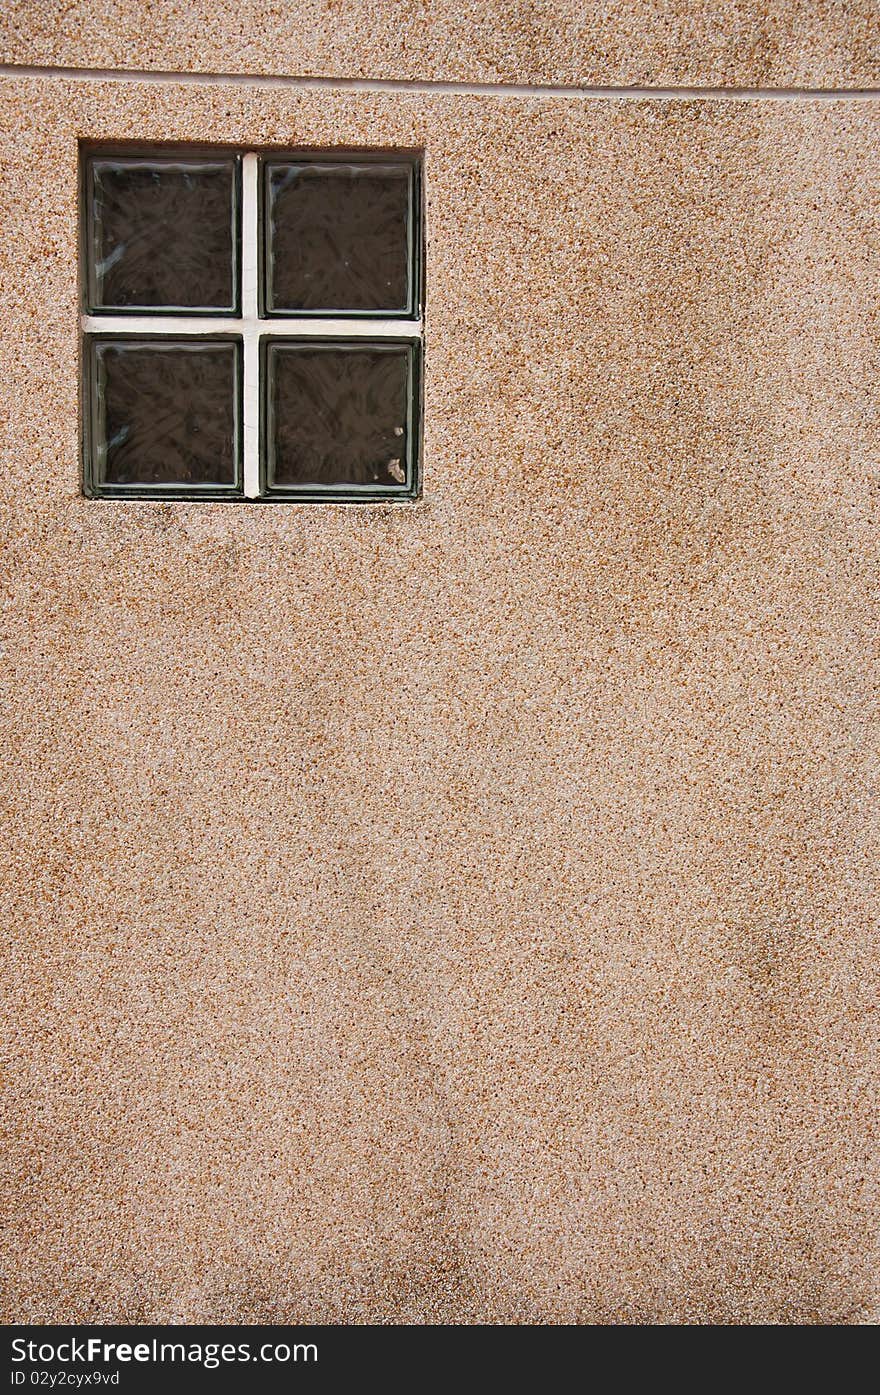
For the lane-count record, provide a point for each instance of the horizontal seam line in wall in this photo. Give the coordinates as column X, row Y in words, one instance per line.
column 466, row 89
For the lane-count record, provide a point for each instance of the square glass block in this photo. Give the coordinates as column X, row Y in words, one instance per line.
column 339, row 416
column 162, row 234
column 339, row 237
column 164, row 415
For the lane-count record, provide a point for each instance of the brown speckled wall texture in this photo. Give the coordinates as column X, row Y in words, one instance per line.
column 740, row 43
column 464, row 910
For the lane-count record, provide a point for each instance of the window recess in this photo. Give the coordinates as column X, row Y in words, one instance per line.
column 251, row 325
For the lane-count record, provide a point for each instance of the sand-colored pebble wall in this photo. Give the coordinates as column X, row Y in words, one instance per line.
column 464, row 910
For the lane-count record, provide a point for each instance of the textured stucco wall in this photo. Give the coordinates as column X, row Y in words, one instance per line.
column 464, row 910
column 741, row 43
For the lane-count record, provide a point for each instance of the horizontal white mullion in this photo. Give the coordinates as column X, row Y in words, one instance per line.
column 409, row 329
column 221, row 324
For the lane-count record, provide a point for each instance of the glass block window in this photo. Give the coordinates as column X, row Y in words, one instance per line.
column 251, row 324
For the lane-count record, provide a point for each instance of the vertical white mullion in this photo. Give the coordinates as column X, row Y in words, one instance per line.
column 250, row 241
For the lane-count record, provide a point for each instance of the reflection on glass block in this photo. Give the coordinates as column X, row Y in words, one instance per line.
column 165, row 412
column 338, row 237
column 162, row 234
column 337, row 416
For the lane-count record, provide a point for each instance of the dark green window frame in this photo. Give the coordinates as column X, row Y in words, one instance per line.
column 252, row 328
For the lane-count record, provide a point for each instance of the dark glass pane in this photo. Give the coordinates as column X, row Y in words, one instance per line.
column 337, row 416
column 162, row 234
column 338, row 237
column 165, row 413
